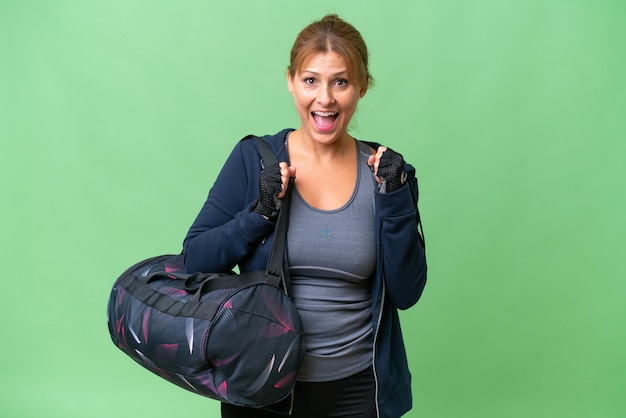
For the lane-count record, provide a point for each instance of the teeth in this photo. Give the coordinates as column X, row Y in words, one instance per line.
column 325, row 113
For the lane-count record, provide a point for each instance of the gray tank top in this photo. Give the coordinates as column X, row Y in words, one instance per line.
column 332, row 258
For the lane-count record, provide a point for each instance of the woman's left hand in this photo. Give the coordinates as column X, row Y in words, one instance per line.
column 388, row 168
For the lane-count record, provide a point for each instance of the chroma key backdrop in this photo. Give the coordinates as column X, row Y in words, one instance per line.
column 116, row 116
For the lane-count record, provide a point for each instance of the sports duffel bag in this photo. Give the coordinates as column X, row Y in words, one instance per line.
column 234, row 338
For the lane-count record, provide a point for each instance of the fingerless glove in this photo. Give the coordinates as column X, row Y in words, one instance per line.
column 270, row 185
column 391, row 171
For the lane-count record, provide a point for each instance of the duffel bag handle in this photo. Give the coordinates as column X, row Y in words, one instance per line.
column 275, row 271
column 199, row 284
column 197, row 281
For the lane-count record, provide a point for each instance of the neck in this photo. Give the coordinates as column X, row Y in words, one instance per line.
column 301, row 143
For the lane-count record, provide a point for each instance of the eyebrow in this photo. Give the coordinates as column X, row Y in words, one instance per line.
column 338, row 73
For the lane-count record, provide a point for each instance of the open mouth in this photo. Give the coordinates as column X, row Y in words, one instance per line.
column 324, row 120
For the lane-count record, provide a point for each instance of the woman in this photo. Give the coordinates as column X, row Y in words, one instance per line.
column 355, row 254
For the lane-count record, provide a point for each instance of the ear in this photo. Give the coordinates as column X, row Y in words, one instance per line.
column 290, row 86
column 362, row 92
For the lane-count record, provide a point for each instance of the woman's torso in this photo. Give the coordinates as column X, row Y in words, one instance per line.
column 332, row 259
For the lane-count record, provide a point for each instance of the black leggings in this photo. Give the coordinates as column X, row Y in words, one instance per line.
column 352, row 397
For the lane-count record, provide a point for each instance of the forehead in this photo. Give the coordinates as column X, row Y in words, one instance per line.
column 324, row 62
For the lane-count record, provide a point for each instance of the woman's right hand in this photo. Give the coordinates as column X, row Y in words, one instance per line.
column 388, row 167
column 286, row 172
column 273, row 184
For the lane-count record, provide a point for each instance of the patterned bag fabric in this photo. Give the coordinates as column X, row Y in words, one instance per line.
column 234, row 338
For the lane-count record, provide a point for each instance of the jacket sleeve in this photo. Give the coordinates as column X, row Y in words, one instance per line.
column 403, row 255
column 227, row 230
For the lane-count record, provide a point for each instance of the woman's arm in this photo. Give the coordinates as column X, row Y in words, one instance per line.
column 403, row 255
column 227, row 229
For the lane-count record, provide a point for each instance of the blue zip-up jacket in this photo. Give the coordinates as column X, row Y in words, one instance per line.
column 227, row 233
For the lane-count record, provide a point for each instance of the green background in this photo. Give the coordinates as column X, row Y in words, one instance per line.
column 116, row 116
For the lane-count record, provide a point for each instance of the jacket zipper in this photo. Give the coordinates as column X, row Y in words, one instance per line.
column 293, row 399
column 380, row 314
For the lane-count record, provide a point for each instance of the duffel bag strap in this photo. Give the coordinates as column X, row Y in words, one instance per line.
column 274, row 271
column 277, row 253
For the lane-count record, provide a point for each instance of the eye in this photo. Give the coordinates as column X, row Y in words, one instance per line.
column 309, row 81
column 341, row 82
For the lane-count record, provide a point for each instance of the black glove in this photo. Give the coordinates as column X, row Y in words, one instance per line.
column 391, row 171
column 270, row 185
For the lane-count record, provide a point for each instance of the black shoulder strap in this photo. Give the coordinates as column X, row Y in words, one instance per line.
column 275, row 263
column 277, row 254
column 268, row 157
column 267, row 153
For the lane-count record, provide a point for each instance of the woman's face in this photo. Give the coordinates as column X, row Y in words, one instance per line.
column 324, row 96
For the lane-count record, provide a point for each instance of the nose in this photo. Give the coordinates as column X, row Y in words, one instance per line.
column 325, row 96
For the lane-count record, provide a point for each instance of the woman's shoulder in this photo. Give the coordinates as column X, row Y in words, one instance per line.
column 372, row 144
column 276, row 141
column 279, row 137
